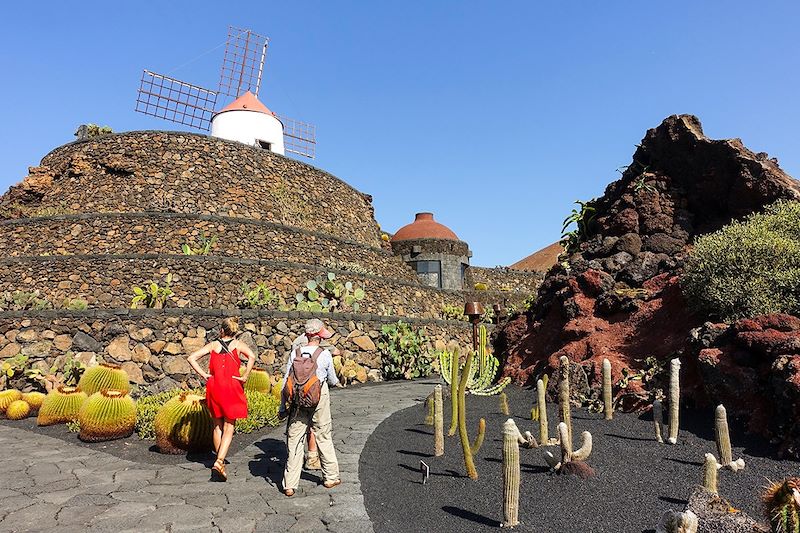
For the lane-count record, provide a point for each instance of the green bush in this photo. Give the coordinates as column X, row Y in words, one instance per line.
column 748, row 268
column 262, row 410
column 404, row 354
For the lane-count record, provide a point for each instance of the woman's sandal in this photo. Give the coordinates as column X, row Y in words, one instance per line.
column 218, row 471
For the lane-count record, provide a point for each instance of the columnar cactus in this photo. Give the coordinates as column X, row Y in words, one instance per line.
column 710, row 467
column 438, row 422
column 677, row 522
column 454, row 379
column 608, row 406
column 504, row 404
column 511, row 474
column 563, row 396
column 542, row 403
column 476, row 445
column 567, row 454
column 674, row 400
column 462, row 420
column 430, row 409
column 782, row 505
column 658, row 419
column 724, row 441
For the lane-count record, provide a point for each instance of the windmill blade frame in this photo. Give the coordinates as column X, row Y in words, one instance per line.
column 299, row 137
column 175, row 100
column 243, row 63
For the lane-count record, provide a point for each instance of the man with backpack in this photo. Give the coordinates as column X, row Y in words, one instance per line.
column 306, row 401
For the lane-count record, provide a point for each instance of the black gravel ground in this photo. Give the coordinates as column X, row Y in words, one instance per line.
column 637, row 478
column 134, row 449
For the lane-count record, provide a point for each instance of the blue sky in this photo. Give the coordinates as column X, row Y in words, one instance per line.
column 496, row 116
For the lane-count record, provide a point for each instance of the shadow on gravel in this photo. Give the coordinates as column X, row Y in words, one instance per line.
column 269, row 464
column 446, row 473
column 421, row 432
column 524, row 467
column 469, row 515
column 415, row 454
column 626, row 437
column 683, row 462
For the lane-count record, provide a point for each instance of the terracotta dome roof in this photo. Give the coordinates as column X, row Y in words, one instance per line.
column 424, row 227
column 247, row 102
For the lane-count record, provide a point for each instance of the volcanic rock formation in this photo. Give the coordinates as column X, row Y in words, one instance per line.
column 617, row 295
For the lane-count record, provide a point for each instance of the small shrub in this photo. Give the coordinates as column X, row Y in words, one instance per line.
column 480, row 286
column 75, row 304
column 152, row 296
column 262, row 411
column 453, row 312
column 23, row 301
column 747, row 268
column 74, row 426
column 201, row 246
column 14, row 365
column 404, row 353
column 255, row 296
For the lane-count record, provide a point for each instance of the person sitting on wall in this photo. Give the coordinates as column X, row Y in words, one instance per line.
column 224, row 387
column 305, row 399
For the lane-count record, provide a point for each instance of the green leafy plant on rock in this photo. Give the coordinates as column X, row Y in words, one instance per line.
column 14, row 366
column 453, row 312
column 23, row 301
column 152, row 296
column 747, row 268
column 582, row 218
column 327, row 294
column 350, row 266
column 201, row 246
column 256, row 296
column 75, row 304
column 404, row 352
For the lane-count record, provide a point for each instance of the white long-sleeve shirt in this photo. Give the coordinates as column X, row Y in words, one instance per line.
column 325, row 370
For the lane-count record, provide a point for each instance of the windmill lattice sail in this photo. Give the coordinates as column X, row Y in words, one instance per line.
column 175, row 100
column 243, row 62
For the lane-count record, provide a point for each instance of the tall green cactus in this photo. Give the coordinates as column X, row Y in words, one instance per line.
column 608, row 405
column 563, row 395
column 462, row 420
column 724, row 440
column 504, row 408
column 453, row 392
column 481, row 375
column 438, row 422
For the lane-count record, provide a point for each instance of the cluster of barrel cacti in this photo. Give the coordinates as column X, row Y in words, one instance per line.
column 61, row 405
column 14, row 406
column 347, row 370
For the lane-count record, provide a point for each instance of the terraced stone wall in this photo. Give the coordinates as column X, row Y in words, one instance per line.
column 146, row 171
column 152, row 345
column 503, row 278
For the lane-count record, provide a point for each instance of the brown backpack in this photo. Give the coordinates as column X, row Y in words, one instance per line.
column 303, row 387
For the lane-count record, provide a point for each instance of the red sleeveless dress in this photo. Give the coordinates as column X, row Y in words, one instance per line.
column 225, row 395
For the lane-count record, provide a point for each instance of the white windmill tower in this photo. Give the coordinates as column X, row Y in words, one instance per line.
column 244, row 120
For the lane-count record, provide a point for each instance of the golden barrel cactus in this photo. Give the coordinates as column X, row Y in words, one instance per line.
column 8, row 396
column 105, row 376
column 34, row 399
column 183, row 424
column 107, row 415
column 18, row 410
column 258, row 381
column 61, row 405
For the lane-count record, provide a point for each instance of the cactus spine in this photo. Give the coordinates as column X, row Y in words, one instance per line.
column 462, row 420
column 258, row 381
column 453, row 394
column 563, row 396
column 34, row 399
column 724, row 440
column 438, row 422
column 710, row 467
column 782, row 505
column 674, row 400
column 608, row 406
column 511, row 474
column 504, row 404
column 430, row 408
column 542, row 402
column 658, row 419
column 183, row 424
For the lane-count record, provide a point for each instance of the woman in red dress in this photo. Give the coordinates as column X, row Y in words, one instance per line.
column 224, row 387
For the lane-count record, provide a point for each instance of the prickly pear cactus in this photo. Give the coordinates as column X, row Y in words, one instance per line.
column 104, row 376
column 107, row 415
column 18, row 410
column 257, row 381
column 8, row 396
column 61, row 405
column 782, row 505
column 183, row 424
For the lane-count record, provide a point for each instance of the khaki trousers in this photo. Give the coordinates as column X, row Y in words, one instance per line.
column 320, row 421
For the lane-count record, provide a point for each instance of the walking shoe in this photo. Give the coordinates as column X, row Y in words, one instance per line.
column 312, row 462
column 331, row 484
column 288, row 492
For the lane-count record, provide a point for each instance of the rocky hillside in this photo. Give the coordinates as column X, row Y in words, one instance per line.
column 617, row 295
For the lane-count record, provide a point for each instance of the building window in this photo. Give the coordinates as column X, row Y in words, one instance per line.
column 265, row 145
column 429, row 272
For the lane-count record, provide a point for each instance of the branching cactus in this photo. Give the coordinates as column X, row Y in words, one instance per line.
column 677, row 522
column 782, row 505
column 462, row 419
column 710, row 467
column 567, row 454
column 504, row 404
column 608, row 406
column 438, row 422
column 511, row 474
column 453, row 394
column 658, row 419
column 563, row 396
column 724, row 441
column 674, row 400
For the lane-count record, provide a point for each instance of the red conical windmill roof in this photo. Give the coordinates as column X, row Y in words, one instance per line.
column 247, row 102
column 424, row 227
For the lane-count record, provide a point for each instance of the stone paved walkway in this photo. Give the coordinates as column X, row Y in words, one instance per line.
column 47, row 483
